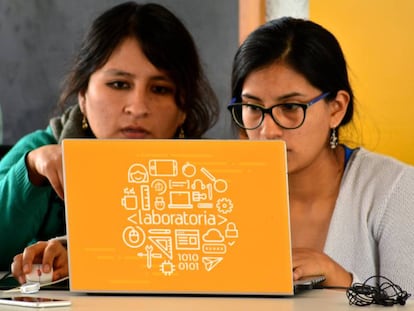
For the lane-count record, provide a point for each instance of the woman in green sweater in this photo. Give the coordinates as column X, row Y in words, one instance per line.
column 137, row 76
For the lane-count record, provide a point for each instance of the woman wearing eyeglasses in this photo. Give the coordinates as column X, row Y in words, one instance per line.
column 352, row 211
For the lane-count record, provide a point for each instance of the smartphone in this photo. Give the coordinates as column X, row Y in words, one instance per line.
column 34, row 302
column 310, row 282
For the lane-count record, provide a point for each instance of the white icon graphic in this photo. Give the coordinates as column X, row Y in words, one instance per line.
column 159, row 186
column 213, row 235
column 137, row 173
column 214, row 248
column 167, row 268
column 183, row 184
column 213, row 238
column 179, row 216
column 211, row 262
column 180, row 199
column 133, row 237
column 163, row 167
column 187, row 239
column 164, row 243
column 220, row 185
column 149, row 254
column 224, row 205
column 205, row 205
column 221, row 219
column 231, row 231
column 197, row 196
column 198, row 184
column 189, row 170
column 145, row 198
column 159, row 203
column 129, row 202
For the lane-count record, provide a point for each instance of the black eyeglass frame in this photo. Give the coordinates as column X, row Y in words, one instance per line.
column 231, row 107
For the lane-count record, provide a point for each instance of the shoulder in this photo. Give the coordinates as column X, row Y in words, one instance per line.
column 378, row 189
column 36, row 139
column 374, row 179
column 377, row 181
column 29, row 142
column 372, row 166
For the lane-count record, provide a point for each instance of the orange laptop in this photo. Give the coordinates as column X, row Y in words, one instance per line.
column 178, row 217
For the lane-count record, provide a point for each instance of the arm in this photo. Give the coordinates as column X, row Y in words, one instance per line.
column 395, row 234
column 371, row 228
column 25, row 209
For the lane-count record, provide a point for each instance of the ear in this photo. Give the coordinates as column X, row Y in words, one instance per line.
column 181, row 118
column 338, row 107
column 82, row 102
column 182, row 114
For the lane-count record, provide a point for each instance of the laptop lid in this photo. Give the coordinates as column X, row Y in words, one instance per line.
column 178, row 216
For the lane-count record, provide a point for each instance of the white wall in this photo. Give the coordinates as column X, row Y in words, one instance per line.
column 279, row 8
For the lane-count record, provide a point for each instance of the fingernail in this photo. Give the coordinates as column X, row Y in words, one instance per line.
column 46, row 268
column 21, row 280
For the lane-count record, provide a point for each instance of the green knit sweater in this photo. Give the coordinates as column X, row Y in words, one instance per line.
column 29, row 213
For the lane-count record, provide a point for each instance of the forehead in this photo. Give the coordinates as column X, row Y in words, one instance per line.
column 129, row 57
column 276, row 76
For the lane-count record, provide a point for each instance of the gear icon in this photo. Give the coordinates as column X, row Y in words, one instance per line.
column 224, row 205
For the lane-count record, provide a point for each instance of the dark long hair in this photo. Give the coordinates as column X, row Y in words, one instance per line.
column 305, row 46
column 165, row 42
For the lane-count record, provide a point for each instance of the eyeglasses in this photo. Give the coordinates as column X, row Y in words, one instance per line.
column 287, row 115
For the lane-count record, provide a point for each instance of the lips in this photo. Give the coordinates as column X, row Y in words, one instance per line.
column 135, row 132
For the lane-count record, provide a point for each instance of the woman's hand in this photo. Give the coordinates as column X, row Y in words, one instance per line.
column 44, row 164
column 51, row 254
column 308, row 262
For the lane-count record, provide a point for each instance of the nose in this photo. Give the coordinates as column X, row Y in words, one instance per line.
column 269, row 128
column 137, row 103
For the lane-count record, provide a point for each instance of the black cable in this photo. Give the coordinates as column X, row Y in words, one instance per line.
column 385, row 293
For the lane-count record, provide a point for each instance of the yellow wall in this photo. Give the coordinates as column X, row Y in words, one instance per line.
column 377, row 37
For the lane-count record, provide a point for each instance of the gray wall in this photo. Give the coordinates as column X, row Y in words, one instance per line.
column 38, row 39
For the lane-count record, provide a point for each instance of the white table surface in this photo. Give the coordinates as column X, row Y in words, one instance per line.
column 313, row 300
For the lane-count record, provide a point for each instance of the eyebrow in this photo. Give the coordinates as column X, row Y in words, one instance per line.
column 283, row 97
column 122, row 73
column 117, row 72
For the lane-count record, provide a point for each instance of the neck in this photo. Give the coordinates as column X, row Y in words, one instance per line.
column 320, row 180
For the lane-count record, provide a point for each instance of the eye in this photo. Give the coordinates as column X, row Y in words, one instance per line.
column 252, row 108
column 119, row 85
column 289, row 107
column 161, row 89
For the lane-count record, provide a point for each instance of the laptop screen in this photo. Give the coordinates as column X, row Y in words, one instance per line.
column 178, row 216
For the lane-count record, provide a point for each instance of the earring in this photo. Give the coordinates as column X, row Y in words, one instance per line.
column 333, row 140
column 84, row 123
column 181, row 135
